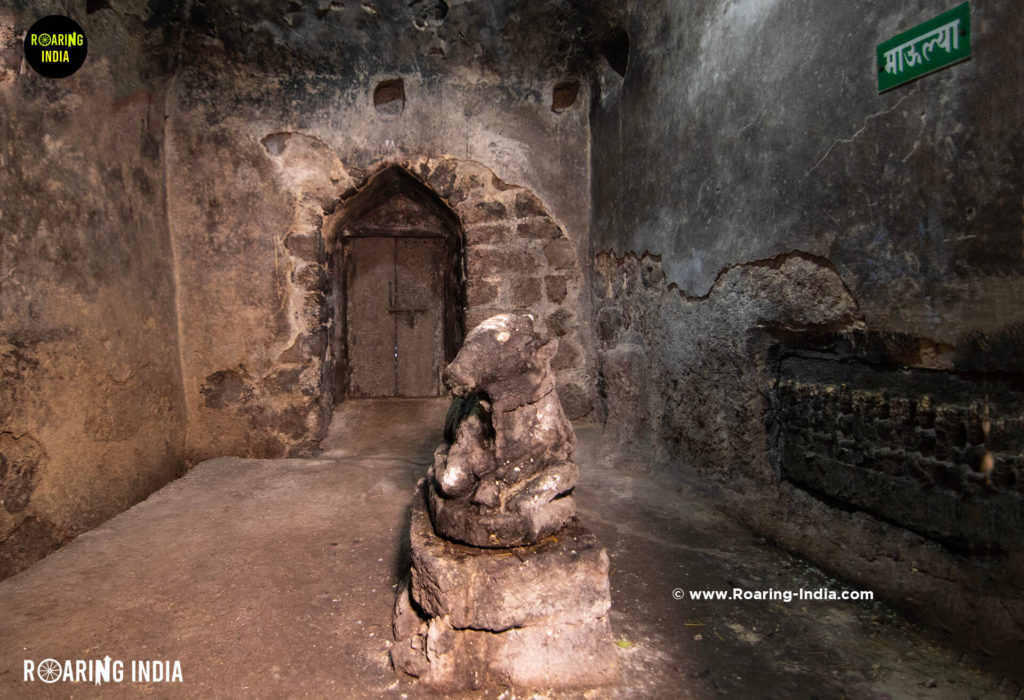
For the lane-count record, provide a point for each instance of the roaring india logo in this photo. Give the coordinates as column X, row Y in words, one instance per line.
column 55, row 46
column 100, row 671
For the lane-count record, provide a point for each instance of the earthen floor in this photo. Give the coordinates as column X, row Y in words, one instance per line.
column 275, row 578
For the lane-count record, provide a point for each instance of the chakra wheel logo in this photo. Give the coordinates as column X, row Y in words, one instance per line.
column 48, row 670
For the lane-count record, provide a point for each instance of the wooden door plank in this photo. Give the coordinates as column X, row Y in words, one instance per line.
column 369, row 275
column 419, row 314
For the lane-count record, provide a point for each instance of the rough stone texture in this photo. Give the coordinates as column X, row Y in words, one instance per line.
column 907, row 447
column 624, row 386
column 531, row 617
column 507, row 478
column 292, row 285
column 11, row 51
column 91, row 414
column 561, row 580
column 550, row 588
column 162, row 221
column 165, row 234
column 735, row 386
column 743, row 130
column 251, row 302
column 702, row 363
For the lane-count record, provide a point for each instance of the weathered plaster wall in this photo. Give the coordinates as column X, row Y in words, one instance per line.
column 745, row 128
column 796, row 220
column 164, row 261
column 91, row 411
column 263, row 145
column 177, row 185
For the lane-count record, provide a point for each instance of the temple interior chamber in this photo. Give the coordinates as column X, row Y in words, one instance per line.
column 779, row 263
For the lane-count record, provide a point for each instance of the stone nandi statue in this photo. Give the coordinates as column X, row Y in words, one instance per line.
column 507, row 477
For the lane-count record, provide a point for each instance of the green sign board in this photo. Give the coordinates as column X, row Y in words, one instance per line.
column 927, row 47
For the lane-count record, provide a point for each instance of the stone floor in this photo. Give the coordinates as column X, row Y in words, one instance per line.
column 270, row 579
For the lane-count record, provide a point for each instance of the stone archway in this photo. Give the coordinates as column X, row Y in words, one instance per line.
column 510, row 256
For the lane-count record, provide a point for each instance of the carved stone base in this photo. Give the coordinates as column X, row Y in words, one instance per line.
column 527, row 617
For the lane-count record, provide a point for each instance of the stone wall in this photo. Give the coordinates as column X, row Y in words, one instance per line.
column 249, row 191
column 684, row 379
column 91, row 411
column 771, row 391
column 810, row 288
column 747, row 128
column 519, row 260
column 907, row 446
column 164, row 276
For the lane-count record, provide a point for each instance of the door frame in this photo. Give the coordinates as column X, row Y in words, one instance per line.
column 388, row 183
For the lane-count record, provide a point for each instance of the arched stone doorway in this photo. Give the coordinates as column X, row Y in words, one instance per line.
column 503, row 252
column 398, row 289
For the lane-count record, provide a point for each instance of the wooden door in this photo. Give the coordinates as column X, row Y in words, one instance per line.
column 395, row 315
column 419, row 315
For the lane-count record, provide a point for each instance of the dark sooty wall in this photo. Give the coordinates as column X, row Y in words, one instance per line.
column 812, row 288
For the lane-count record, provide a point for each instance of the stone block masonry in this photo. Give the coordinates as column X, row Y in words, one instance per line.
column 528, row 617
column 907, row 446
column 519, row 260
column 269, row 397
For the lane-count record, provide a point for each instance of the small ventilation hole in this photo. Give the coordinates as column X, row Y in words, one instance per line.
column 563, row 96
column 389, row 96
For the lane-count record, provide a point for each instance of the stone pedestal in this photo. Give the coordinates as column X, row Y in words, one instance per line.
column 529, row 617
